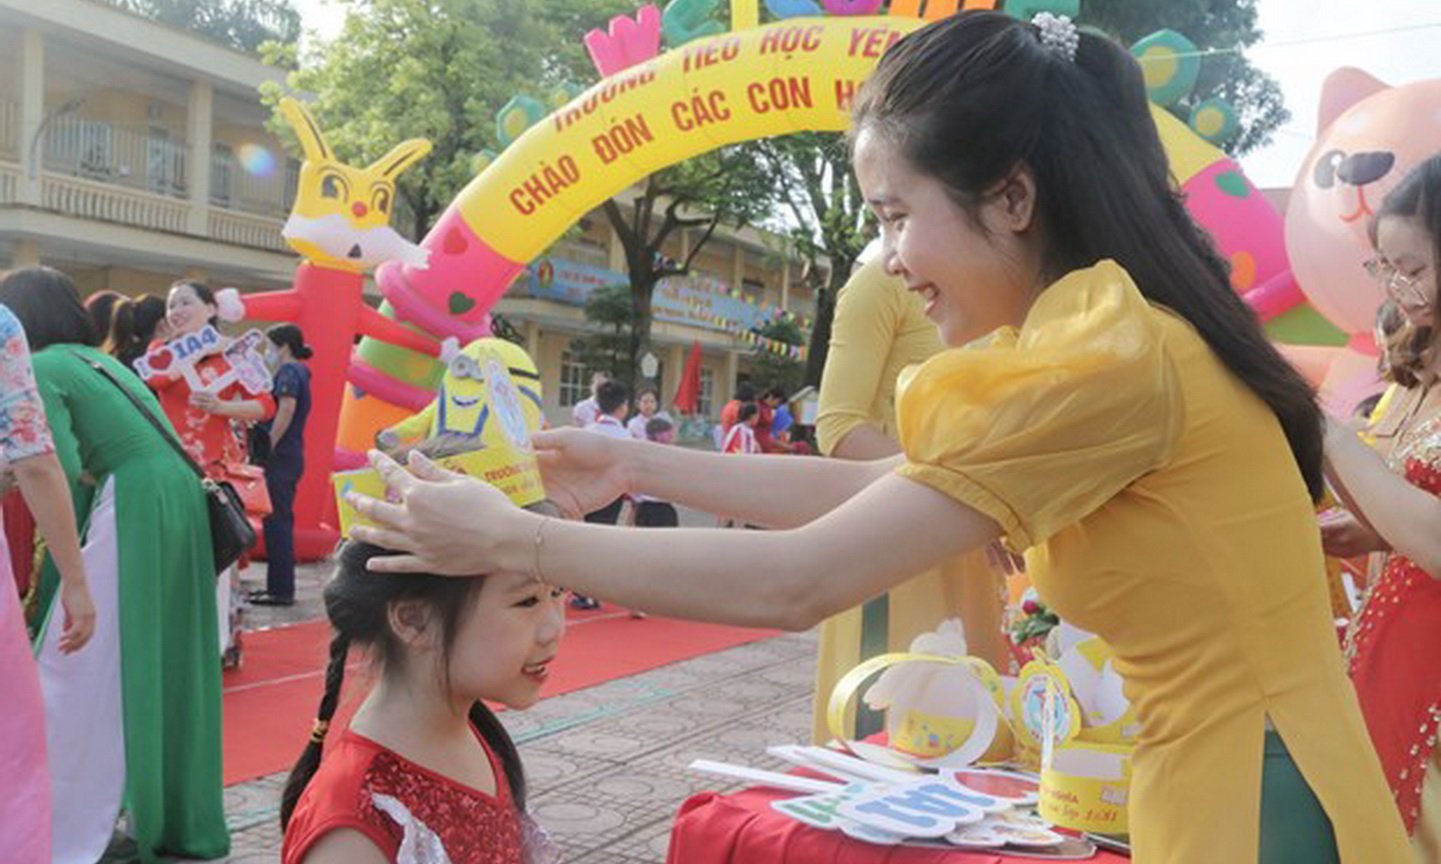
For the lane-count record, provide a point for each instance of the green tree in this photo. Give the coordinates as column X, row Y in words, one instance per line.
column 436, row 69
column 440, row 69
column 700, row 194
column 1222, row 26
column 828, row 218
column 830, row 223
column 607, row 347
column 241, row 24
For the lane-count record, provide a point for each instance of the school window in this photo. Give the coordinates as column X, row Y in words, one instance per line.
column 81, row 147
column 707, row 391
column 574, row 382
column 753, row 290
column 222, row 172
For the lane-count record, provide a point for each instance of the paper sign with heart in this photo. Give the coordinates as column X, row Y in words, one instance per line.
column 160, row 360
column 179, row 355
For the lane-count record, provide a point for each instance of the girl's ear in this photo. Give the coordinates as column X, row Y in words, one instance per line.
column 410, row 621
column 1015, row 199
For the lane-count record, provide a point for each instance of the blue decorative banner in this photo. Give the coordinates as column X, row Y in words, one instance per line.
column 696, row 299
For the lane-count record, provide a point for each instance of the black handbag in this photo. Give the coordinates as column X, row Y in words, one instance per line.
column 257, row 445
column 231, row 533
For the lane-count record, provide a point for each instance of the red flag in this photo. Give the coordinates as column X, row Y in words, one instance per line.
column 687, row 395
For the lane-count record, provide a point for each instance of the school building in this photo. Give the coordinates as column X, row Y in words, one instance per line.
column 133, row 154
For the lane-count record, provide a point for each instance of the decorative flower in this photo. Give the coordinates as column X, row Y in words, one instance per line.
column 1037, row 620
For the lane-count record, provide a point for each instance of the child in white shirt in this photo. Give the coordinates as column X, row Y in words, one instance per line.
column 741, row 438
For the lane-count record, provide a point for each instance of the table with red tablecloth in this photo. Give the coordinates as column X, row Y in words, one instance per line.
column 743, row 829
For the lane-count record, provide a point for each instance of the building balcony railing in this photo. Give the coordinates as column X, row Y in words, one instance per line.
column 107, row 202
column 99, row 171
column 124, row 205
column 261, row 188
column 246, row 229
column 9, row 183
column 149, row 160
column 581, row 253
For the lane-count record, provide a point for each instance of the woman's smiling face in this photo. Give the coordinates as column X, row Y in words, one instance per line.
column 185, row 311
column 1408, row 268
column 972, row 272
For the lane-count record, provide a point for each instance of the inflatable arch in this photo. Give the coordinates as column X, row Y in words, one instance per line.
column 793, row 75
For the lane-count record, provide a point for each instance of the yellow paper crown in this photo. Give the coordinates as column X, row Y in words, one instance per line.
column 511, row 470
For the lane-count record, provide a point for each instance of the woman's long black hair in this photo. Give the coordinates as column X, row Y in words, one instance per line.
column 111, row 319
column 146, row 313
column 292, row 337
column 970, row 98
column 357, row 602
column 47, row 304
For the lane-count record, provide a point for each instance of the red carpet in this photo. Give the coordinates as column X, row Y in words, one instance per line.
column 270, row 701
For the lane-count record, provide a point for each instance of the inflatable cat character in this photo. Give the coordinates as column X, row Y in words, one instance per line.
column 1370, row 135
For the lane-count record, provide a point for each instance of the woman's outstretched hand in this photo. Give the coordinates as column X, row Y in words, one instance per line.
column 444, row 523
column 582, row 471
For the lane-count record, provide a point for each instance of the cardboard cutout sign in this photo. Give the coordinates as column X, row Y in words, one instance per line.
column 248, row 368
column 243, row 361
column 180, row 355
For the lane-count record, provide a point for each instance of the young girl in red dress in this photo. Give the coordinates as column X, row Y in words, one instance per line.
column 425, row 772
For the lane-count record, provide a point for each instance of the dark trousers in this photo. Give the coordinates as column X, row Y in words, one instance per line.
column 607, row 515
column 656, row 514
column 281, row 478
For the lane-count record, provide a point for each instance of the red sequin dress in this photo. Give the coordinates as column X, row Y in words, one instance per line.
column 402, row 806
column 1394, row 647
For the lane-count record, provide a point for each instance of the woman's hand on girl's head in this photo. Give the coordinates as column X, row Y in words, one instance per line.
column 582, row 471
column 445, row 523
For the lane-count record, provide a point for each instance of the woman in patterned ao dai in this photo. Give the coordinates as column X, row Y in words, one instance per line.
column 1391, row 495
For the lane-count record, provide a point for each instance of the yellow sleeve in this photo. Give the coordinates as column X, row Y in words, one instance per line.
column 416, row 426
column 1037, row 428
column 867, row 314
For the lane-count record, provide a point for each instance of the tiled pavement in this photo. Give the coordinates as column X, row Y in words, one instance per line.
column 606, row 766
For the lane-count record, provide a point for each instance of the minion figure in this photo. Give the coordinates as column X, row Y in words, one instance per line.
column 490, row 396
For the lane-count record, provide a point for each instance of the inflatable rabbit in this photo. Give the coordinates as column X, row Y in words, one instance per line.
column 340, row 225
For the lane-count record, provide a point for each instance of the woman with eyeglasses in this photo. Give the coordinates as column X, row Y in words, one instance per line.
column 1394, row 515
